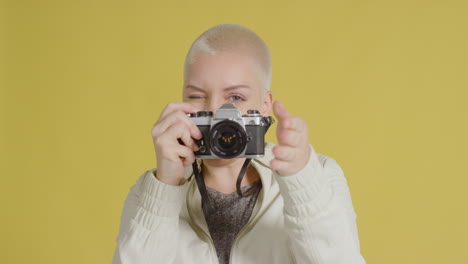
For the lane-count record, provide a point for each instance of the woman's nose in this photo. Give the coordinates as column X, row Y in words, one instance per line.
column 213, row 105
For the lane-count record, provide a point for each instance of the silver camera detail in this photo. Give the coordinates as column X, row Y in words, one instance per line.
column 228, row 134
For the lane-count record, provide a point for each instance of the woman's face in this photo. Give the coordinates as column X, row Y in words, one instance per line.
column 212, row 81
column 225, row 78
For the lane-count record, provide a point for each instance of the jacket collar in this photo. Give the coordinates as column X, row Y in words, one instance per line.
column 268, row 193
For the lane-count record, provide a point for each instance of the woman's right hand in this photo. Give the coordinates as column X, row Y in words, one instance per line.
column 171, row 156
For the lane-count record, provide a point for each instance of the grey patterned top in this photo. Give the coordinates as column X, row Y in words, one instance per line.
column 231, row 213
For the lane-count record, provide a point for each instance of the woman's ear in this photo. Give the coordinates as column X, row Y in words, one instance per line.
column 267, row 104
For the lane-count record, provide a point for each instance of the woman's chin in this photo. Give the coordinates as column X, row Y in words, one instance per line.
column 220, row 162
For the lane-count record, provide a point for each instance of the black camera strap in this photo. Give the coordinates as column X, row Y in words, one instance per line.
column 241, row 176
column 205, row 200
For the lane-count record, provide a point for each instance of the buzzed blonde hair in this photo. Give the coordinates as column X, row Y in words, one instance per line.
column 236, row 39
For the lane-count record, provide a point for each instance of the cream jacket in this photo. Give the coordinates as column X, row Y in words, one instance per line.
column 303, row 218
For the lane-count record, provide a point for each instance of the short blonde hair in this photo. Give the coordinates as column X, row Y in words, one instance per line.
column 233, row 38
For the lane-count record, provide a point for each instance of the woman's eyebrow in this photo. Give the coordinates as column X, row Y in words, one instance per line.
column 193, row 87
column 234, row 87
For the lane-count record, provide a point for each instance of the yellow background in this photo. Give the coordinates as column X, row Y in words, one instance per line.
column 382, row 85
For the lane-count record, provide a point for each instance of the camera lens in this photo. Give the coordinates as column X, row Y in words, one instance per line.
column 227, row 139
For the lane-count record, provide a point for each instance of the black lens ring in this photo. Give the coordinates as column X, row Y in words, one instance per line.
column 240, row 132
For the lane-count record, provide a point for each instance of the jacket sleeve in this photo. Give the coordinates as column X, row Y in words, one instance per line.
column 319, row 215
column 149, row 224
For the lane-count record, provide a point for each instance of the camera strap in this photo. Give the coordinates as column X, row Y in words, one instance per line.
column 241, row 176
column 205, row 200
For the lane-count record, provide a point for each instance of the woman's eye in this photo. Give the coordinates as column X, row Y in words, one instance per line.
column 195, row 96
column 236, row 98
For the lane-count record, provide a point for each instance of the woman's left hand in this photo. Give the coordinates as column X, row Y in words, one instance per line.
column 293, row 151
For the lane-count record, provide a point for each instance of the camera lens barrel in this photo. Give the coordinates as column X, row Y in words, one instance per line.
column 227, row 139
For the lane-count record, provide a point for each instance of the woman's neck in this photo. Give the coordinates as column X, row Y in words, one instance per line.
column 221, row 175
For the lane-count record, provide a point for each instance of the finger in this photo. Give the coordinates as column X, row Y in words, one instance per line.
column 176, row 117
column 290, row 137
column 171, row 135
column 187, row 156
column 284, row 153
column 179, row 131
column 183, row 153
column 294, row 123
column 178, row 106
column 188, row 141
column 280, row 111
column 281, row 167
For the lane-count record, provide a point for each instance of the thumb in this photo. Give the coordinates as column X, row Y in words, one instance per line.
column 280, row 111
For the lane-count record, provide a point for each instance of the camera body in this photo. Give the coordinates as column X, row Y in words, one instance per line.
column 228, row 134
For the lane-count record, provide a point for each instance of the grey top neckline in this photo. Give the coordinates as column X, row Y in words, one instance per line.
column 231, row 213
column 234, row 194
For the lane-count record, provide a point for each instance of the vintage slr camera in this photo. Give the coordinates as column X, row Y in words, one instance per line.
column 229, row 134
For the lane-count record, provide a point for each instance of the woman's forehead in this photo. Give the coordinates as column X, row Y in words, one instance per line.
column 224, row 71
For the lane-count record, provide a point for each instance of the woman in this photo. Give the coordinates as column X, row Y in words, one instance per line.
column 298, row 208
